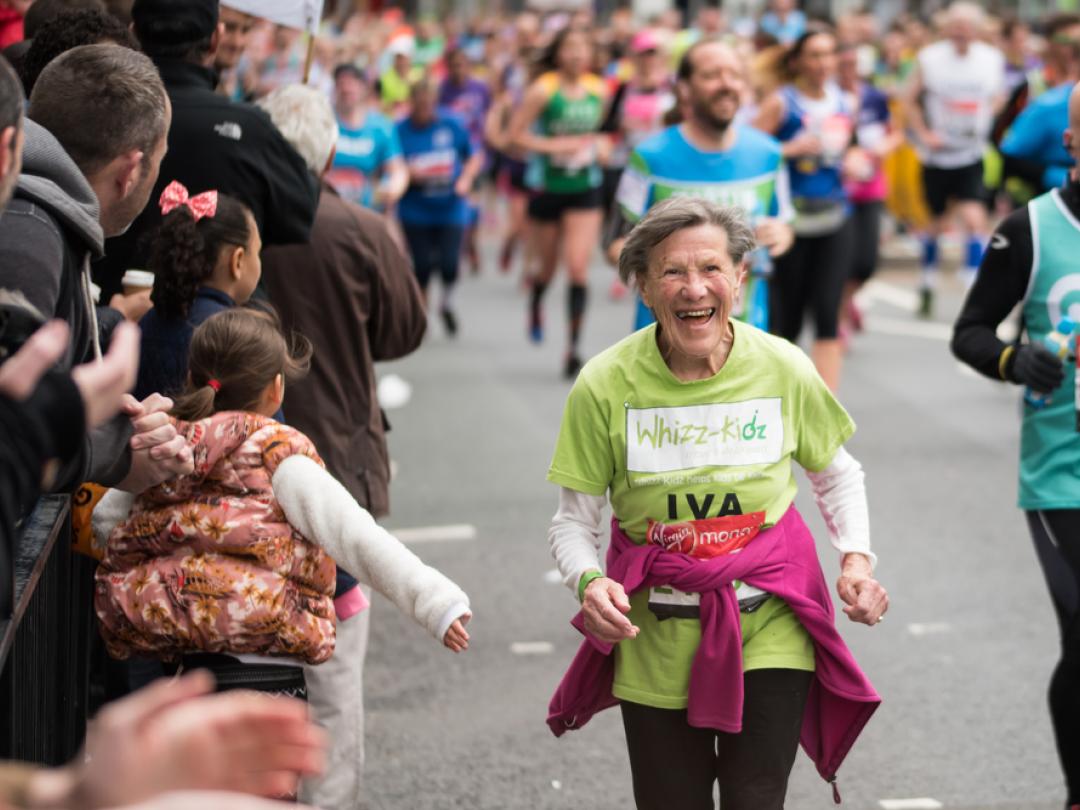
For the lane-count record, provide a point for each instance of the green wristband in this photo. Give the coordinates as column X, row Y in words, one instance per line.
column 583, row 583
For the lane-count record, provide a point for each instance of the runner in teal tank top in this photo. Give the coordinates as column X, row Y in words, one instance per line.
column 1031, row 260
column 710, row 155
column 558, row 124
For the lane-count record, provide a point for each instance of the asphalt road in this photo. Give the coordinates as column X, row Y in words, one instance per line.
column 962, row 661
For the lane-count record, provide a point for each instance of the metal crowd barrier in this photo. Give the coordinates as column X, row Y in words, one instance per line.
column 45, row 648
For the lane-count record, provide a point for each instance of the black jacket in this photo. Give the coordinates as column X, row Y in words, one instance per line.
column 48, row 425
column 217, row 143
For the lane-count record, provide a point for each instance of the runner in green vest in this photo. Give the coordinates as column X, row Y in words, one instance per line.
column 558, row 123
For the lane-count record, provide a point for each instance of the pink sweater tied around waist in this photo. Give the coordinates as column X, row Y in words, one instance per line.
column 781, row 560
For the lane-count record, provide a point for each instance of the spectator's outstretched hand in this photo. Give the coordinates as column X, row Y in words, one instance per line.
column 102, row 384
column 174, row 736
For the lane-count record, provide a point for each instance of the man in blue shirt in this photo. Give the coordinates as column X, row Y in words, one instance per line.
column 1035, row 137
column 710, row 156
column 367, row 168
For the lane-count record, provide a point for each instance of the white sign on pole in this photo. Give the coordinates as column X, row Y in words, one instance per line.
column 302, row 14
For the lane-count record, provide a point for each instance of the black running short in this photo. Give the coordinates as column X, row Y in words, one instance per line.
column 962, row 184
column 547, row 206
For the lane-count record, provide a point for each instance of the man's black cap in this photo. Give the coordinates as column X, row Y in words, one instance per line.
column 174, row 22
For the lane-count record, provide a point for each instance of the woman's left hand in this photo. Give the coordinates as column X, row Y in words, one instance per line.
column 865, row 598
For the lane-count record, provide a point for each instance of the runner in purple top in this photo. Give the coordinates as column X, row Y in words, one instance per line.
column 470, row 98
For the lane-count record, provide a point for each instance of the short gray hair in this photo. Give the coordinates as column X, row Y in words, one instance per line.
column 678, row 214
column 101, row 101
column 304, row 116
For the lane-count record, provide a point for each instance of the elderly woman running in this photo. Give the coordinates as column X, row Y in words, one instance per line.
column 721, row 662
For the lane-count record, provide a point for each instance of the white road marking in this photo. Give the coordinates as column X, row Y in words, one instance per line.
column 920, row 329
column 967, row 371
column 555, row 783
column 532, row 648
column 436, row 534
column 553, row 577
column 875, row 290
column 929, row 628
column 910, row 804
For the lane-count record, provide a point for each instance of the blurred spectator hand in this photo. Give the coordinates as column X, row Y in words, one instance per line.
column 174, row 736
column 159, row 453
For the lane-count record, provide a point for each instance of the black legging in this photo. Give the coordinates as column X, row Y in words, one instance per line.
column 675, row 765
column 811, row 275
column 866, row 234
column 1057, row 542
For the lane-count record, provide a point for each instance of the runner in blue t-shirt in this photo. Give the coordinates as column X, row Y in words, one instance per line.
column 1035, row 136
column 367, row 167
column 470, row 99
column 710, row 156
column 442, row 166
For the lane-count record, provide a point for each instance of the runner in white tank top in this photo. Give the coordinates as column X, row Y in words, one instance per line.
column 956, row 89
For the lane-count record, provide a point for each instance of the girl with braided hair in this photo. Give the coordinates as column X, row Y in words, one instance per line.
column 205, row 258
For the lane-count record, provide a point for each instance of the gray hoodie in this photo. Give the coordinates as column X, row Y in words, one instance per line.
column 48, row 234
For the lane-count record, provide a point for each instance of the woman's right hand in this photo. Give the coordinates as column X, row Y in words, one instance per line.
column 805, row 144
column 605, row 605
column 567, row 145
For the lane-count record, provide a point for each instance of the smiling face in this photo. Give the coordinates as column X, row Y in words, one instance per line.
column 715, row 86
column 692, row 285
column 234, row 39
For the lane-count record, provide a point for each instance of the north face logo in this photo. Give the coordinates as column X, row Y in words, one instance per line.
column 229, row 129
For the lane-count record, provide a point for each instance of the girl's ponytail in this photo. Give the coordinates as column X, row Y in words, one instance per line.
column 195, row 404
column 234, row 356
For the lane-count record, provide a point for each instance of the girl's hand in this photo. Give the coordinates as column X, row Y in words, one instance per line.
column 456, row 638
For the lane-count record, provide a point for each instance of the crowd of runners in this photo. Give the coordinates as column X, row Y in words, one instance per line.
column 561, row 129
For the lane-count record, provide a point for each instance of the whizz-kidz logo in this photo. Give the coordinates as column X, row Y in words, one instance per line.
column 720, row 434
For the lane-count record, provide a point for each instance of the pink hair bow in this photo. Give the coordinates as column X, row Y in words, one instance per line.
column 201, row 205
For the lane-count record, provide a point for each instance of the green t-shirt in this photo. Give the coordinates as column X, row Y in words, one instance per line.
column 673, row 451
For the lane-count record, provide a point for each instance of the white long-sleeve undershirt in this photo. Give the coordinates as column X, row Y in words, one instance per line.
column 839, row 491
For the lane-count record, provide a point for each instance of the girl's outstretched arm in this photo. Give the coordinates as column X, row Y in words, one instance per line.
column 321, row 509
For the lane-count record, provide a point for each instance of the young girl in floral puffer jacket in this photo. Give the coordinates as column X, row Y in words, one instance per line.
column 238, row 557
